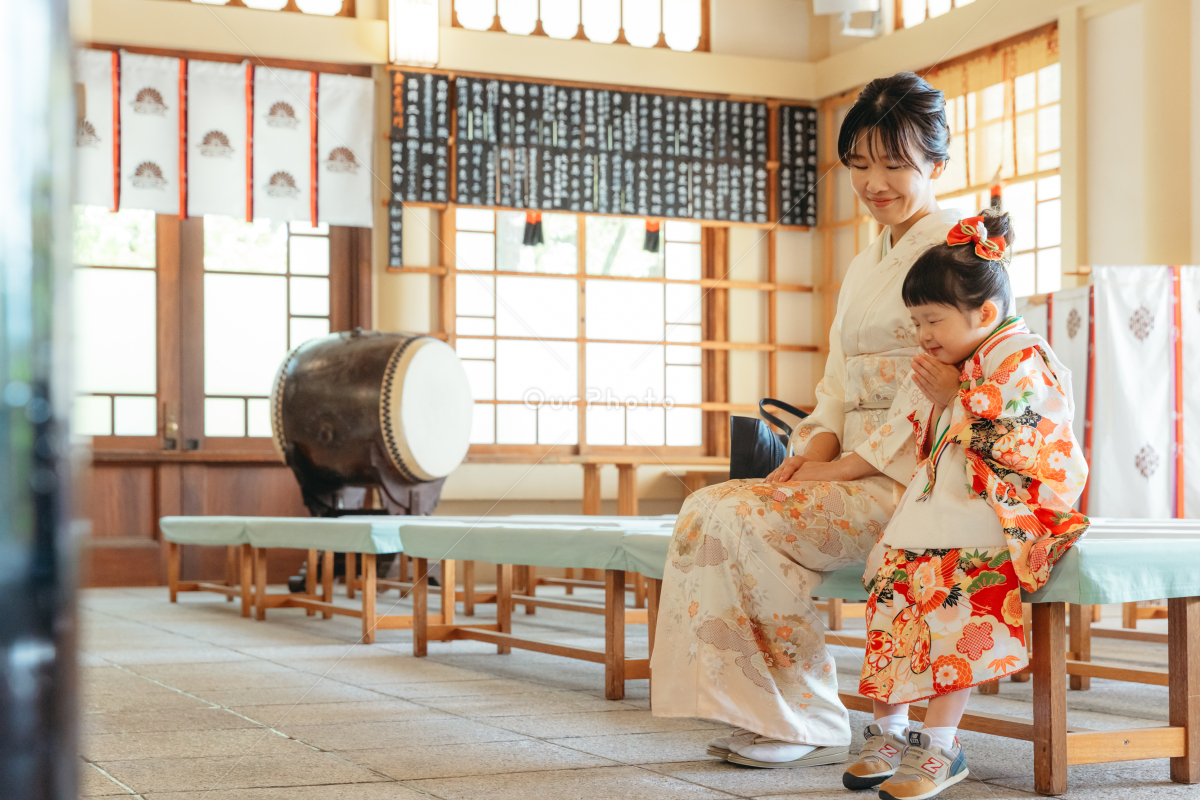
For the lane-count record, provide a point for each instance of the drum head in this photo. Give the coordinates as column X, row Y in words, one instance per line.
column 426, row 409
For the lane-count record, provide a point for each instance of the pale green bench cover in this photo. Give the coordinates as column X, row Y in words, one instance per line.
column 593, row 542
column 212, row 531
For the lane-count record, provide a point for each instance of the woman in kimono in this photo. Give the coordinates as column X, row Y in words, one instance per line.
column 738, row 639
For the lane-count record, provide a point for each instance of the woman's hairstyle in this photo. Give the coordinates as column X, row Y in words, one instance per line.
column 955, row 275
column 902, row 115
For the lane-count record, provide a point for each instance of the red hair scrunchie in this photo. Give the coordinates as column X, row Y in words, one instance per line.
column 972, row 229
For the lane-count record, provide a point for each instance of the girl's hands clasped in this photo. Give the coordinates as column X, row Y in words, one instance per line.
column 784, row 472
column 938, row 381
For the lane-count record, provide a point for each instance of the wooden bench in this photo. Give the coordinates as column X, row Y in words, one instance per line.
column 227, row 532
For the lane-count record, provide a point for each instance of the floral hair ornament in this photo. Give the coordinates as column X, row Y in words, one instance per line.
column 972, row 229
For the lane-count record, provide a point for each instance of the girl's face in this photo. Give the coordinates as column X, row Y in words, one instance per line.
column 951, row 335
column 892, row 192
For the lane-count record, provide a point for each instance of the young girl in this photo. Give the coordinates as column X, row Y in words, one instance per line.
column 987, row 514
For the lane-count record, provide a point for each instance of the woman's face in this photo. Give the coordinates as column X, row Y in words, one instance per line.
column 892, row 192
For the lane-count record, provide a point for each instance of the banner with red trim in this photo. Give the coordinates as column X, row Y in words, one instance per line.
column 216, row 139
column 344, row 148
column 150, row 133
column 282, row 144
column 95, row 132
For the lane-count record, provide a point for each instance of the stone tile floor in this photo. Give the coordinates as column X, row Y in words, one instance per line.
column 191, row 701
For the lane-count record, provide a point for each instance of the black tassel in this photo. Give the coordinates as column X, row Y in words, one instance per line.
column 533, row 229
column 651, row 244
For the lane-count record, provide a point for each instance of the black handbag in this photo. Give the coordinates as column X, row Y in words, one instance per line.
column 754, row 449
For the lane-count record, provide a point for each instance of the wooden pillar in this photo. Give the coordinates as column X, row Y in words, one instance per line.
column 1081, row 642
column 368, row 600
column 420, row 610
column 310, row 579
column 173, row 570
column 627, row 499
column 1183, row 660
column 260, row 583
column 245, row 564
column 504, row 603
column 591, row 489
column 1166, row 148
column 614, row 634
column 1049, row 698
column 449, row 591
column 327, row 581
column 469, row 588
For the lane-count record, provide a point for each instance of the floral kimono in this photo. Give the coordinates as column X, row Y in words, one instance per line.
column 738, row 637
column 948, row 616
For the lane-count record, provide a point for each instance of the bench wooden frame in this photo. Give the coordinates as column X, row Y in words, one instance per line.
column 238, row 576
column 372, row 621
column 617, row 668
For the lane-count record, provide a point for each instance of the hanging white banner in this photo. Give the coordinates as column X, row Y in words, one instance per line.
column 282, row 144
column 1069, row 335
column 150, row 133
column 1132, row 470
column 94, row 133
column 1034, row 315
column 1189, row 295
column 345, row 122
column 216, row 150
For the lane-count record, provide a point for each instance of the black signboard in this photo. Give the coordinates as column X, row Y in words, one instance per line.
column 796, row 187
column 420, row 143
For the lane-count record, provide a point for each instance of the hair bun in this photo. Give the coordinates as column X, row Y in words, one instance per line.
column 999, row 226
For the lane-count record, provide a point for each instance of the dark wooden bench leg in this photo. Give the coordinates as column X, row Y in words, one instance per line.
column 246, row 573
column 420, row 598
column 351, row 574
column 173, row 570
column 260, row 583
column 653, row 592
column 469, row 588
column 504, row 603
column 1049, row 698
column 1081, row 642
column 310, row 579
column 327, row 582
column 368, row 598
column 530, row 587
column 1183, row 659
column 231, row 570
column 614, row 634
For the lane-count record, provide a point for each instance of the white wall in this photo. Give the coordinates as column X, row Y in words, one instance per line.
column 761, row 28
column 1115, row 137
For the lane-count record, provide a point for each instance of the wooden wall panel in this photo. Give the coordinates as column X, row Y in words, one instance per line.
column 122, row 502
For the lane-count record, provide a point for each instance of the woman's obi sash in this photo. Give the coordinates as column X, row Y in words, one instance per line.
column 872, row 380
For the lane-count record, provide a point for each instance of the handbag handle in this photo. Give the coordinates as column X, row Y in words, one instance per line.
column 776, row 421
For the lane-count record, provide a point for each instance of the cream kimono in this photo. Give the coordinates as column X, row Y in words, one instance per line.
column 738, row 639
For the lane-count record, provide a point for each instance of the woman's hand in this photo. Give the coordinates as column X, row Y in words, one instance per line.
column 849, row 467
column 937, row 381
column 786, row 470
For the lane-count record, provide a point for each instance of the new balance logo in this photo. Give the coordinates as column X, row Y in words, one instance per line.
column 888, row 751
column 933, row 765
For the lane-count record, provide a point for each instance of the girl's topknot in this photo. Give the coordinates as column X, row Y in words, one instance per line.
column 954, row 275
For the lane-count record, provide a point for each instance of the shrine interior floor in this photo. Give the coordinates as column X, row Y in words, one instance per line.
column 193, row 701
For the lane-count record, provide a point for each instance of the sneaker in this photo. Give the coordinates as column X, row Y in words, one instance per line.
column 924, row 770
column 877, row 761
column 724, row 746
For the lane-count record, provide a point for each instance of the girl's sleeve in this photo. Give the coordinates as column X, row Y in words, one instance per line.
column 892, row 449
column 830, row 414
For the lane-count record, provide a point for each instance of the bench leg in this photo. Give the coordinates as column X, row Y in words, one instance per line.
column 449, row 591
column 260, row 583
column 1129, row 615
column 504, row 603
column 246, row 568
column 1096, row 613
column 991, row 687
column 653, row 592
column 403, row 570
column 310, row 579
column 231, row 570
column 368, row 601
column 327, row 582
column 351, row 574
column 420, row 598
column 1049, row 698
column 173, row 570
column 570, row 574
column 469, row 588
column 1183, row 658
column 1081, row 642
column 835, row 614
column 639, row 590
column 530, row 587
column 614, row 634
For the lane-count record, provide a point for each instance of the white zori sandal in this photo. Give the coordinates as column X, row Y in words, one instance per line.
column 767, row 753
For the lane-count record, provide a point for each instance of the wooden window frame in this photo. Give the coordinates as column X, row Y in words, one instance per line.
column 347, row 10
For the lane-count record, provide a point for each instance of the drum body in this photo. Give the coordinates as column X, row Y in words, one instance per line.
column 366, row 409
